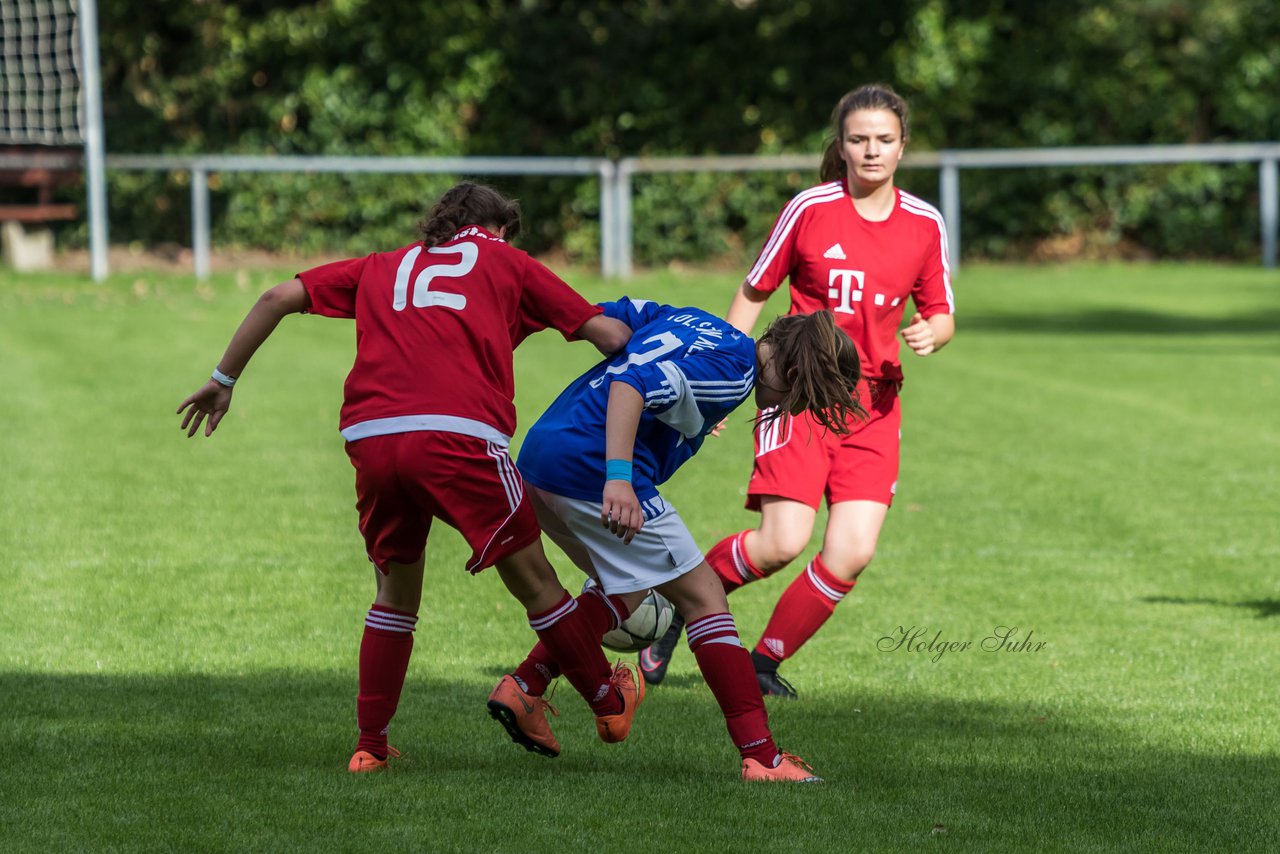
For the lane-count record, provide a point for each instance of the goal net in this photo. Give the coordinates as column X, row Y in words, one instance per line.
column 39, row 79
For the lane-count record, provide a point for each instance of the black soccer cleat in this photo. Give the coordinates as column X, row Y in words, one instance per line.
column 773, row 685
column 656, row 657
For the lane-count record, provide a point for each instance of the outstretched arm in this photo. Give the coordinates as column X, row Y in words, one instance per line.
column 608, row 334
column 745, row 309
column 619, row 507
column 212, row 400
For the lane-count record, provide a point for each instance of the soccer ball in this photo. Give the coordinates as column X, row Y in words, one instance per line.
column 648, row 622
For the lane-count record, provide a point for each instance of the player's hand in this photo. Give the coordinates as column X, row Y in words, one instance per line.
column 716, row 430
column 918, row 335
column 620, row 510
column 211, row 402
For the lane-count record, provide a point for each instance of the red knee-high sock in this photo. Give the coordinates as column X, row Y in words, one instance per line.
column 572, row 637
column 604, row 612
column 537, row 670
column 384, row 660
column 807, row 603
column 726, row 666
column 729, row 560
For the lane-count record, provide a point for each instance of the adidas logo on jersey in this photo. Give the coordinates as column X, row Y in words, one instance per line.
column 836, row 253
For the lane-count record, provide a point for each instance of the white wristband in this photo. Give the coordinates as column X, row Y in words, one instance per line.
column 222, row 379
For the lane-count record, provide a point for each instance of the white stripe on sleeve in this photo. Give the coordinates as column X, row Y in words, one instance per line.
column 919, row 207
column 790, row 215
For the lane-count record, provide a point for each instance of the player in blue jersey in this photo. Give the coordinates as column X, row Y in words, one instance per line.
column 596, row 458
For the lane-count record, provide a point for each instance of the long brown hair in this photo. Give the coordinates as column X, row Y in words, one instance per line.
column 873, row 96
column 819, row 365
column 469, row 204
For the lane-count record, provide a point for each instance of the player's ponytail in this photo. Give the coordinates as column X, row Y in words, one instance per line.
column 469, row 204
column 873, row 96
column 819, row 365
column 832, row 168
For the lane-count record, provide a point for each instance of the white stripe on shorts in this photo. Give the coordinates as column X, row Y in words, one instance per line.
column 511, row 480
column 739, row 559
column 772, row 435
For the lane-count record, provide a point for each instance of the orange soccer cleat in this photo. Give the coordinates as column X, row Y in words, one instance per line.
column 363, row 761
column 790, row 769
column 629, row 683
column 524, row 717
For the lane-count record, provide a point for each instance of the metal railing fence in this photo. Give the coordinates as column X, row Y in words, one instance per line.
column 201, row 166
column 616, row 177
column 950, row 162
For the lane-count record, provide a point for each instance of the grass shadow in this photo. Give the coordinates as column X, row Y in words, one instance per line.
column 256, row 761
column 1263, row 608
column 673, row 679
column 1126, row 321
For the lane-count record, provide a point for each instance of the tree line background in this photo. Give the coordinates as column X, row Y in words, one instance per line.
column 688, row 77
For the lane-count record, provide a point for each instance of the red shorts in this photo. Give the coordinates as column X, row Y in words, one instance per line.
column 797, row 458
column 404, row 480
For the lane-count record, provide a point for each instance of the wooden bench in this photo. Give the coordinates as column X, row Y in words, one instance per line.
column 43, row 208
column 25, row 251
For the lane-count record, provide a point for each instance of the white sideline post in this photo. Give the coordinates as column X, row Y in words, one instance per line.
column 624, row 219
column 200, row 221
column 1269, row 209
column 949, row 197
column 608, row 218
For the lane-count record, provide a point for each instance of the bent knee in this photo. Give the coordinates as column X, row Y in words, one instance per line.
column 772, row 553
column 848, row 563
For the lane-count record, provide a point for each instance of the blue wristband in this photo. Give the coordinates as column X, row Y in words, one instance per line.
column 617, row 470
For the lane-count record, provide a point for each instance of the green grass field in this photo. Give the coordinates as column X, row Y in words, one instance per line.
column 1095, row 460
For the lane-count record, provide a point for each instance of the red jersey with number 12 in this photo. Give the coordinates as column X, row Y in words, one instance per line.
column 862, row 270
column 435, row 331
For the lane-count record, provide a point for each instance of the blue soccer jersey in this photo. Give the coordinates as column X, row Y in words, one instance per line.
column 692, row 369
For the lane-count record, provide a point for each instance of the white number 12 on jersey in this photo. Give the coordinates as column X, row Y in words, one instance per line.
column 423, row 296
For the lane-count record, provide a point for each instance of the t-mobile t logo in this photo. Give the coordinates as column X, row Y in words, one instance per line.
column 844, row 287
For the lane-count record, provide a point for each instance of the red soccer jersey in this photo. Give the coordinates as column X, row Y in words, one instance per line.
column 435, row 331
column 863, row 271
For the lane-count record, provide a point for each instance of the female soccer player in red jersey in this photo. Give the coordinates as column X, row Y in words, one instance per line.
column 860, row 247
column 428, row 413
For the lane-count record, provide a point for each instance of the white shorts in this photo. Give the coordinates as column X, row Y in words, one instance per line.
column 662, row 551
